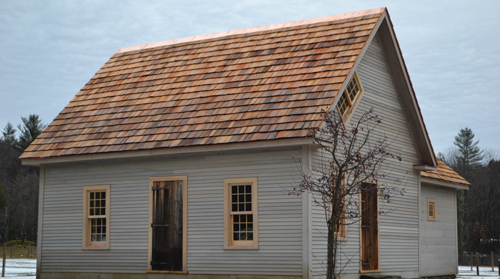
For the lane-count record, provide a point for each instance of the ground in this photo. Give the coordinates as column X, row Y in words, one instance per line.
column 26, row 269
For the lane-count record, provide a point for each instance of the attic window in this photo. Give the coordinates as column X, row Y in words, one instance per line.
column 351, row 93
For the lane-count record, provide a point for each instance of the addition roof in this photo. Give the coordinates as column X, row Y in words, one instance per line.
column 444, row 173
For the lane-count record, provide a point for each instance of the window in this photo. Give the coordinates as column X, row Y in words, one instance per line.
column 348, row 98
column 240, row 214
column 431, row 209
column 95, row 233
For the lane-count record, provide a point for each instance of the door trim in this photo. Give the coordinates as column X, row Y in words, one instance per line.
column 184, row 216
column 377, row 269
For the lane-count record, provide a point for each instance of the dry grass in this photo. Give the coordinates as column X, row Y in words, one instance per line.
column 19, row 252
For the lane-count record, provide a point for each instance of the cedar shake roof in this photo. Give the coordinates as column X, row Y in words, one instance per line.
column 257, row 84
column 445, row 173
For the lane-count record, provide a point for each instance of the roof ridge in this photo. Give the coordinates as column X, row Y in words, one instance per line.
column 254, row 29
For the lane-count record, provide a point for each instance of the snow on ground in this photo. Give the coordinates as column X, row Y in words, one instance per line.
column 19, row 268
column 26, row 269
column 464, row 272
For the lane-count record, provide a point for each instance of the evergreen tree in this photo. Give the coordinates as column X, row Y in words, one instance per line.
column 470, row 155
column 9, row 135
column 33, row 127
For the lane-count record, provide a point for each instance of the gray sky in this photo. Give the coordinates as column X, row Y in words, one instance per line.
column 50, row 49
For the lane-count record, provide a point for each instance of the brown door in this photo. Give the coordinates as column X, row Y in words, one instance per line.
column 167, row 226
column 369, row 227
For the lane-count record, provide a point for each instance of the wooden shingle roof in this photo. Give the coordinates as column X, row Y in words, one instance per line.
column 445, row 173
column 256, row 84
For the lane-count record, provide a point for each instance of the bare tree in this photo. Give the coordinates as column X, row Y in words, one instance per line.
column 355, row 158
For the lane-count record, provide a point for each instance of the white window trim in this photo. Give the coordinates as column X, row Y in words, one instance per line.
column 86, row 244
column 228, row 242
column 429, row 217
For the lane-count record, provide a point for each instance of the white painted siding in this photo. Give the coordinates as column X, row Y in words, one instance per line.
column 438, row 239
column 398, row 228
column 280, row 215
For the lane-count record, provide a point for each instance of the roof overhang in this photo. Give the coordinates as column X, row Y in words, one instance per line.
column 170, row 151
column 442, row 183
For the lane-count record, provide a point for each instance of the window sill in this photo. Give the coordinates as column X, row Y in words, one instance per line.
column 95, row 248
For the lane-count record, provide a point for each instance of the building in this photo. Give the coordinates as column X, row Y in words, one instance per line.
column 176, row 158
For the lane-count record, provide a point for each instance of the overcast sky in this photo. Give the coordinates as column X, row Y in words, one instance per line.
column 50, row 49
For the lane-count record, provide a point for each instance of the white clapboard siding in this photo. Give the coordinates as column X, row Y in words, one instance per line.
column 280, row 214
column 399, row 227
column 438, row 239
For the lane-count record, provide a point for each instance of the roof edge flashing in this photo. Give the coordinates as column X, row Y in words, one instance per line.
column 255, row 29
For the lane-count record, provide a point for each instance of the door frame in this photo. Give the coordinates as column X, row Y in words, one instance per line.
column 361, row 233
column 184, row 219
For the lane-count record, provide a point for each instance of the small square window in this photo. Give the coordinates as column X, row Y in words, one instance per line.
column 431, row 209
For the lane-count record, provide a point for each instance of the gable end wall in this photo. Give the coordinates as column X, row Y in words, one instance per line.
column 399, row 228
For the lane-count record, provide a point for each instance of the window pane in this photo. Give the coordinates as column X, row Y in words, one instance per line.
column 91, row 203
column 241, row 207
column 235, row 207
column 250, row 236
column 98, row 221
column 243, row 236
column 241, row 189
column 98, row 230
column 234, row 198
column 248, row 198
column 103, row 211
column 249, row 207
column 92, row 238
column 235, row 227
column 250, row 227
column 103, row 195
column 243, row 218
column 250, row 218
column 91, row 212
column 241, row 198
column 236, row 236
column 103, row 237
column 243, row 227
column 248, row 189
column 234, row 189
column 98, row 237
column 97, row 195
column 236, row 218
column 91, row 195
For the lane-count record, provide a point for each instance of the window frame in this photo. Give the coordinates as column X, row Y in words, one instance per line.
column 351, row 104
column 86, row 243
column 229, row 243
column 342, row 231
column 432, row 217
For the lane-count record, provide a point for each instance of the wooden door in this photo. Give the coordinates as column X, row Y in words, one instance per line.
column 166, row 228
column 369, row 227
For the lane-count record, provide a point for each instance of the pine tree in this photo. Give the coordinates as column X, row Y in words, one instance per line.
column 9, row 135
column 33, row 127
column 470, row 155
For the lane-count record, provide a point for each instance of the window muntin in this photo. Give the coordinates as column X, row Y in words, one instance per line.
column 431, row 209
column 240, row 214
column 348, row 98
column 97, row 216
column 95, row 234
